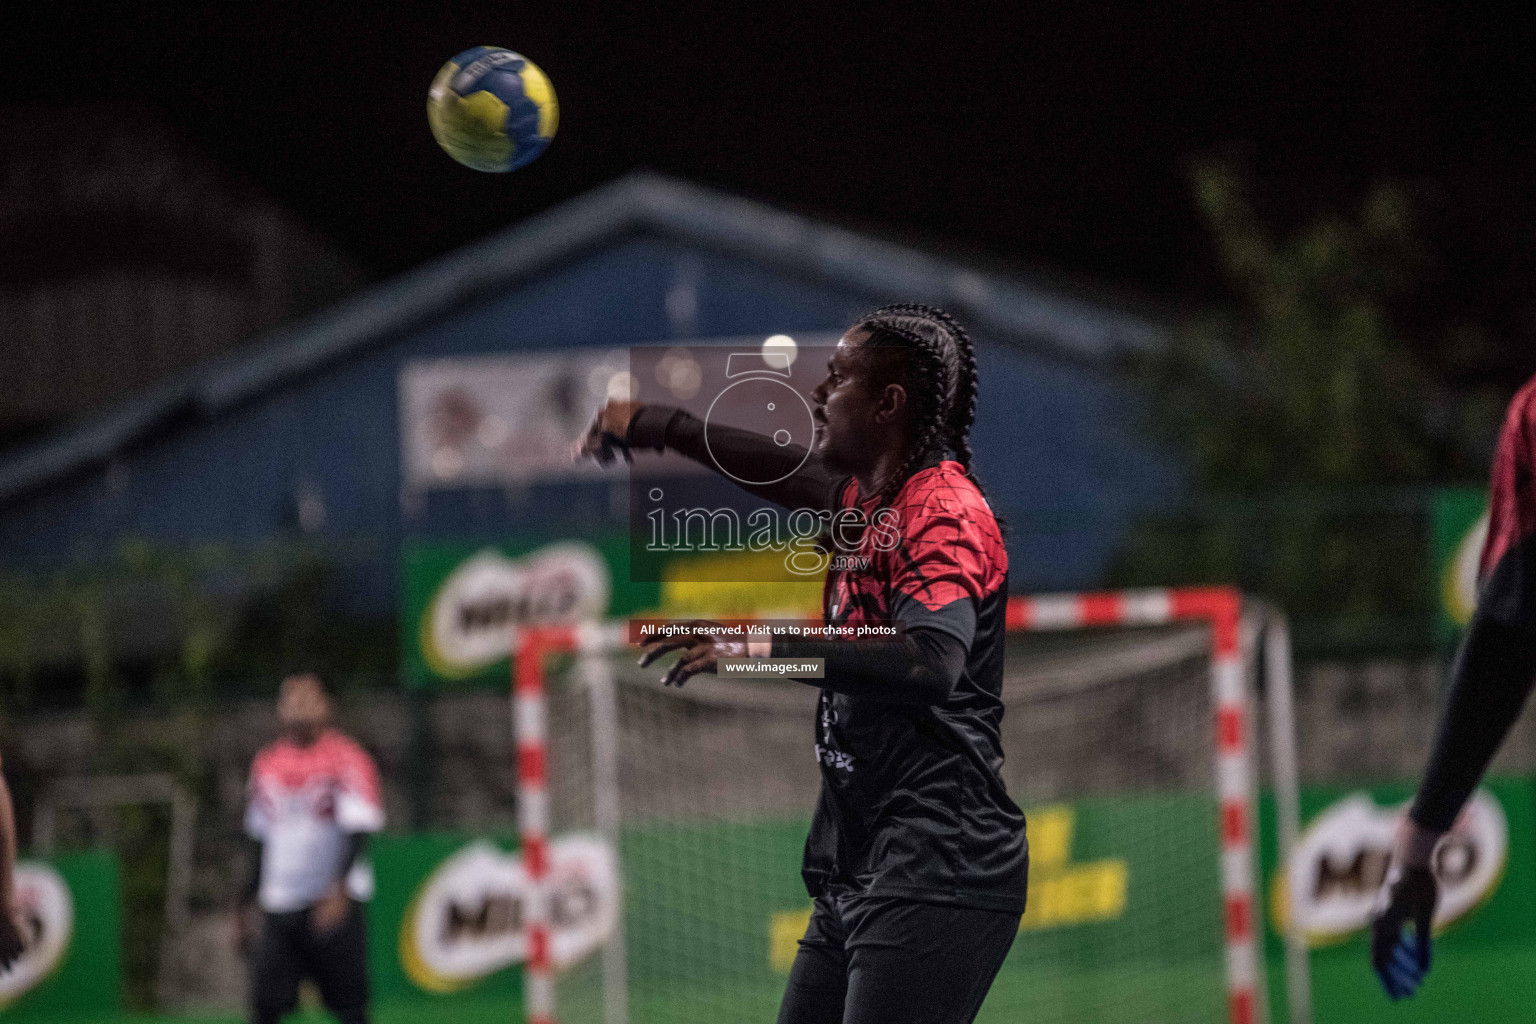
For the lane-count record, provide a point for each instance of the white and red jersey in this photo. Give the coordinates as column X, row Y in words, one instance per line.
column 304, row 802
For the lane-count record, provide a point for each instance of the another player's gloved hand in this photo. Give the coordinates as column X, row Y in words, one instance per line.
column 13, row 936
column 1400, row 955
column 608, row 433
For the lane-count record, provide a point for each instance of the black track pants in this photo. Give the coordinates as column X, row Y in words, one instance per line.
column 290, row 951
column 875, row 960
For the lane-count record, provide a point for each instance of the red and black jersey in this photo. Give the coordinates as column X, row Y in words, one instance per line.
column 1496, row 665
column 942, row 545
column 912, row 801
column 1512, row 489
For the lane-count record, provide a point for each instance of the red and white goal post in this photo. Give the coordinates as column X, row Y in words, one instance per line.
column 1237, row 631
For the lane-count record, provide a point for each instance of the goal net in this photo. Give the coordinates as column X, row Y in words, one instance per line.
column 1112, row 744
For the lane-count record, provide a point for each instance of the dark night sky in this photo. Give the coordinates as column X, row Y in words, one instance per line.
column 1055, row 135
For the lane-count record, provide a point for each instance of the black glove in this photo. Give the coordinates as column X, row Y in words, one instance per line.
column 1399, row 956
column 13, row 938
column 612, row 443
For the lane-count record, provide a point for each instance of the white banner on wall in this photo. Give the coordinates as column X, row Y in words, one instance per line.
column 510, row 419
column 498, row 420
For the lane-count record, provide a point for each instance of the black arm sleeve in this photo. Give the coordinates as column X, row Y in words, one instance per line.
column 921, row 668
column 1491, row 680
column 252, row 883
column 811, row 485
column 357, row 842
column 1496, row 665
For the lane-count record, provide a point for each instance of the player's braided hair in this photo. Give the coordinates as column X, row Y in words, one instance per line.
column 941, row 384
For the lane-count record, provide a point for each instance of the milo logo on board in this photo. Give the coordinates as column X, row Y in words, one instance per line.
column 473, row 620
column 48, row 911
column 469, row 918
column 1458, row 580
column 1336, row 869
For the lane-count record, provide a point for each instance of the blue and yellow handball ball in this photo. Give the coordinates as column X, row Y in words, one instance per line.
column 492, row 109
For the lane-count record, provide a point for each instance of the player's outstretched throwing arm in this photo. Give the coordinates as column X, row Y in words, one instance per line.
column 620, row 427
column 1490, row 681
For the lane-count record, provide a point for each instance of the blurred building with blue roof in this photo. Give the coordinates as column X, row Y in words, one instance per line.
column 299, row 435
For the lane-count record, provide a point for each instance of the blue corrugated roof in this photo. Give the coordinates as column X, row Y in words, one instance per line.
column 1003, row 308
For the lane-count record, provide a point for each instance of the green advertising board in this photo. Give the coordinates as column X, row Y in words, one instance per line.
column 1458, row 529
column 1124, row 918
column 73, row 969
column 1485, row 957
column 402, row 865
column 461, row 603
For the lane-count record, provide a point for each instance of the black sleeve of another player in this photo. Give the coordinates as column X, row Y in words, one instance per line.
column 805, row 483
column 921, row 667
column 252, row 883
column 1490, row 682
column 357, row 842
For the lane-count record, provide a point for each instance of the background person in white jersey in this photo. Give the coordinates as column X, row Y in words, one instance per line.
column 313, row 799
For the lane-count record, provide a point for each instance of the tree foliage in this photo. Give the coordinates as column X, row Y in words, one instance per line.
column 180, row 627
column 1304, row 380
column 1311, row 430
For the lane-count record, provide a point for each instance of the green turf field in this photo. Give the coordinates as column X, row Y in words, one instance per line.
column 702, row 947
column 1491, row 986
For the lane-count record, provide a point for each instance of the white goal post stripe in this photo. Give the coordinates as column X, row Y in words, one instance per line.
column 1221, row 608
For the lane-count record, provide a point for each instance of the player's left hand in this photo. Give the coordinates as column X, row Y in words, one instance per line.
column 1401, row 956
column 700, row 653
